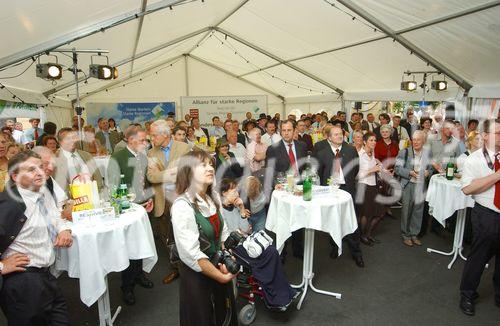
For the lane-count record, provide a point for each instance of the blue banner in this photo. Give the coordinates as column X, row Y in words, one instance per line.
column 127, row 113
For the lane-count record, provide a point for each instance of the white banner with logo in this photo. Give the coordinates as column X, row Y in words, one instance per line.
column 207, row 107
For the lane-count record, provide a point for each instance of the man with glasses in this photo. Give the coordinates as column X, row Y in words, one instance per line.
column 132, row 163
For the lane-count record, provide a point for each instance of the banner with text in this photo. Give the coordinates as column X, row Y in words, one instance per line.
column 126, row 113
column 207, row 107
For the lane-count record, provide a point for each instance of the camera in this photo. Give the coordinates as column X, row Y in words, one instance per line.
column 225, row 257
column 233, row 240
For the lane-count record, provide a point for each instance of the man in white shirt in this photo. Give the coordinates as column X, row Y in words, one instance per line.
column 18, row 133
column 271, row 137
column 30, row 228
column 481, row 180
column 71, row 161
column 217, row 130
column 239, row 151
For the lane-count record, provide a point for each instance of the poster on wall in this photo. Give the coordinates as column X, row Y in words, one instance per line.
column 18, row 110
column 126, row 113
column 208, row 107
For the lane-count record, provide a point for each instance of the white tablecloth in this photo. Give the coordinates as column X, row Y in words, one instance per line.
column 107, row 247
column 445, row 197
column 329, row 213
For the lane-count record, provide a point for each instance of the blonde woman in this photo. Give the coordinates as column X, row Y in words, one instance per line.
column 473, row 142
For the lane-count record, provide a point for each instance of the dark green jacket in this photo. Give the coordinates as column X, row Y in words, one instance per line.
column 134, row 171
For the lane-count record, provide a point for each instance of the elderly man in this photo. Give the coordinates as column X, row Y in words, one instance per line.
column 256, row 151
column 71, row 161
column 18, row 133
column 271, row 137
column 162, row 172
column 445, row 148
column 239, row 151
column 132, row 163
column 108, row 138
column 413, row 166
column 30, row 227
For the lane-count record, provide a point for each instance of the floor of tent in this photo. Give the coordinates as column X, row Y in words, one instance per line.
column 398, row 286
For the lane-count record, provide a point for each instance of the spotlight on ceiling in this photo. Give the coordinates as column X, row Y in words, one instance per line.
column 100, row 71
column 409, row 86
column 439, row 85
column 49, row 70
column 103, row 71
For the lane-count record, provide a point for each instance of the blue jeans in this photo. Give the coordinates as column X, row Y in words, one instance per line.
column 258, row 220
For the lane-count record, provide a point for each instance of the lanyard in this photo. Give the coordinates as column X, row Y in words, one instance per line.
column 488, row 159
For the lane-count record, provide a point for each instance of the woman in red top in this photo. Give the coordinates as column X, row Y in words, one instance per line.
column 386, row 151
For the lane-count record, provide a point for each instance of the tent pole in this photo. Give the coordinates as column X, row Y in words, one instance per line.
column 84, row 32
column 186, row 73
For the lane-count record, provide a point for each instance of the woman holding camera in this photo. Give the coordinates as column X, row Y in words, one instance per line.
column 199, row 231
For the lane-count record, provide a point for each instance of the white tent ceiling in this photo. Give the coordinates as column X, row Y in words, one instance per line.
column 289, row 47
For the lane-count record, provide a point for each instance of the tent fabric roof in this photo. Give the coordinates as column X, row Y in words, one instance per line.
column 293, row 48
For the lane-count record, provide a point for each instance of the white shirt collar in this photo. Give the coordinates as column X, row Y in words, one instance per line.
column 29, row 194
column 131, row 151
column 66, row 153
column 335, row 147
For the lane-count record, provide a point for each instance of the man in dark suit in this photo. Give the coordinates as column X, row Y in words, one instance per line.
column 347, row 169
column 132, row 162
column 30, row 228
column 410, row 123
column 107, row 138
column 282, row 156
column 370, row 124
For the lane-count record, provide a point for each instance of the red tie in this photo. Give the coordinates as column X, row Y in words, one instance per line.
column 336, row 166
column 36, row 134
column 293, row 164
column 496, row 200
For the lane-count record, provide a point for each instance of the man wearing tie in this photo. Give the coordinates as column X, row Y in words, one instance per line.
column 162, row 172
column 132, row 162
column 71, row 161
column 340, row 160
column 30, row 229
column 370, row 124
column 284, row 155
column 481, row 179
column 32, row 134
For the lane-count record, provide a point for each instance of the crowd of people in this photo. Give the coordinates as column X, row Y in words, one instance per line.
column 217, row 178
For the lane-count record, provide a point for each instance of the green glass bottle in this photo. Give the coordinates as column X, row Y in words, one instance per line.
column 450, row 169
column 123, row 192
column 307, row 184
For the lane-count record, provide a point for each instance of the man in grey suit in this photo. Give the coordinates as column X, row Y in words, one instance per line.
column 413, row 166
column 71, row 161
column 108, row 138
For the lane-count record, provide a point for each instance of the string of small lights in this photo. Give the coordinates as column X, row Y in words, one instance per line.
column 228, row 44
column 353, row 18
column 14, row 96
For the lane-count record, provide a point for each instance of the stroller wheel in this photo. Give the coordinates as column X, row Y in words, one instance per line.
column 247, row 314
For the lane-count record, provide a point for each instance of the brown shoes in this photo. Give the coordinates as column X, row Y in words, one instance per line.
column 408, row 242
column 416, row 241
column 170, row 277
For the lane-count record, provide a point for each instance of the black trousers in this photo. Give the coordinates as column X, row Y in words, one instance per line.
column 485, row 245
column 129, row 275
column 297, row 244
column 33, row 299
column 352, row 240
column 205, row 302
